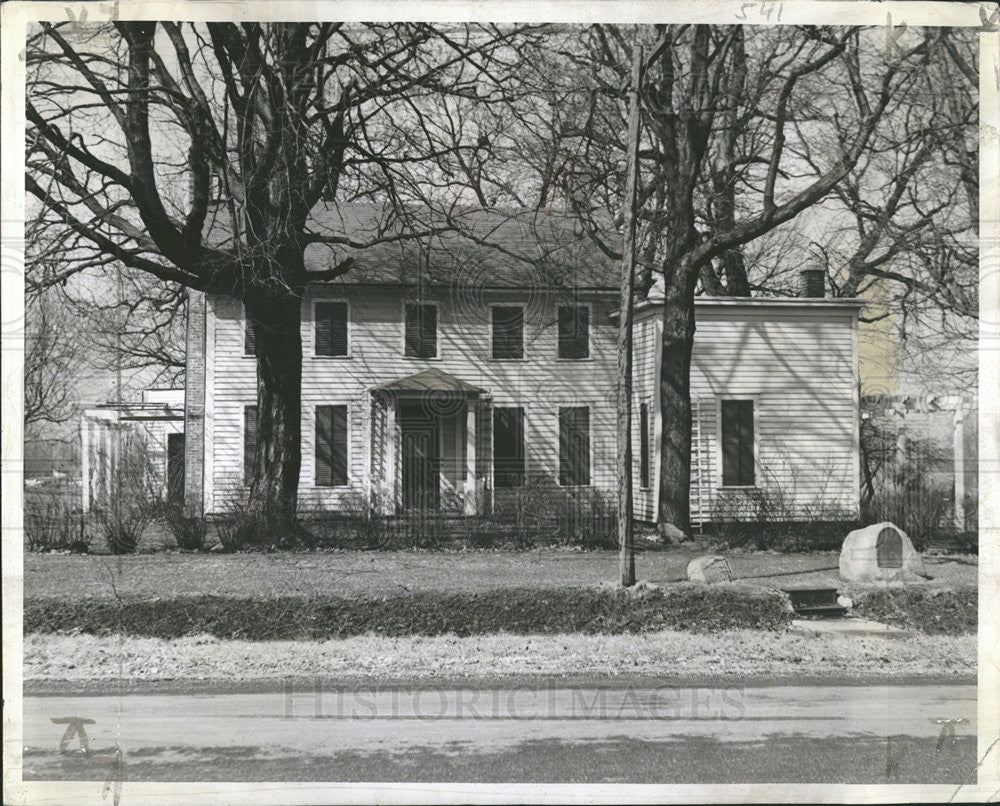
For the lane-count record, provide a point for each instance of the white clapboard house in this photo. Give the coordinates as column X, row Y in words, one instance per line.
column 446, row 375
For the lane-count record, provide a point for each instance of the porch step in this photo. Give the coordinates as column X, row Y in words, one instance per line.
column 822, row 610
column 815, row 602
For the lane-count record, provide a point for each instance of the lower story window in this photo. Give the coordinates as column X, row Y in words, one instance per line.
column 508, row 447
column 738, row 444
column 574, row 445
column 249, row 442
column 331, row 446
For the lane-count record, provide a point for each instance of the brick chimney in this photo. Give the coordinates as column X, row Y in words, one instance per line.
column 813, row 283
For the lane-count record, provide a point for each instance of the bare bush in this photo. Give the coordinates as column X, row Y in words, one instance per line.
column 190, row 531
column 52, row 524
column 134, row 498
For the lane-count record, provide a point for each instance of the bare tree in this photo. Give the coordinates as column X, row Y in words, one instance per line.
column 196, row 153
column 52, row 360
column 727, row 121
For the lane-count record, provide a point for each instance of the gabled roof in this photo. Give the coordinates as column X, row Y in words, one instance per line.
column 430, row 380
column 477, row 249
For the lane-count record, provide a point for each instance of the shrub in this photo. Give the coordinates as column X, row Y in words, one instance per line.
column 933, row 611
column 917, row 508
column 518, row 610
column 189, row 531
column 250, row 526
column 589, row 519
column 135, row 497
column 244, row 528
column 52, row 524
column 752, row 516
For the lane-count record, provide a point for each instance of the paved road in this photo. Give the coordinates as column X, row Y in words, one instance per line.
column 843, row 734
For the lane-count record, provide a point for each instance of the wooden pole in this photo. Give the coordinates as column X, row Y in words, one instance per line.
column 626, row 560
column 959, row 443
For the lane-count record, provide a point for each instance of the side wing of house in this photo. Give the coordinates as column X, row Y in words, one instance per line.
column 775, row 419
column 775, row 388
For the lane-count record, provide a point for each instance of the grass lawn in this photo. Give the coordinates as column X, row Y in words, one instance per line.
column 367, row 574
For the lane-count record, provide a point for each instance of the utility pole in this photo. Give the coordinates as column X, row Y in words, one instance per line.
column 626, row 560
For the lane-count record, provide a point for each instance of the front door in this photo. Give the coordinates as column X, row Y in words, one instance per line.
column 419, row 433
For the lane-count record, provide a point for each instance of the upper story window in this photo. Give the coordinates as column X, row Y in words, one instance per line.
column 331, row 328
column 420, row 339
column 737, row 443
column 249, row 337
column 508, row 331
column 574, row 331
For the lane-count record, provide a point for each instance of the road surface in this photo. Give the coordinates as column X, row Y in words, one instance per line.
column 540, row 733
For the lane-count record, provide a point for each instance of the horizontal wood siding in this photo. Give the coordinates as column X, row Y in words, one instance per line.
column 644, row 390
column 540, row 383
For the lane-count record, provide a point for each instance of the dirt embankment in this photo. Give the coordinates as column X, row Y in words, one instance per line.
column 735, row 654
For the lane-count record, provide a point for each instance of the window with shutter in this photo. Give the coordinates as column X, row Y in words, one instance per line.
column 574, row 445
column 331, row 328
column 644, row 444
column 574, row 331
column 249, row 442
column 249, row 338
column 421, row 331
column 331, row 446
column 738, row 459
column 508, row 446
column 508, row 331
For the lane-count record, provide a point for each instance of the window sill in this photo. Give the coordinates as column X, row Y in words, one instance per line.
column 576, row 360
column 509, row 360
column 418, row 358
column 738, row 487
column 331, row 357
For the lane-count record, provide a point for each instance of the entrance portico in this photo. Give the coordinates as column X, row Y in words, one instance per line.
column 431, row 445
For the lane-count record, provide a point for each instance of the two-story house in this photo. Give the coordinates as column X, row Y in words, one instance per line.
column 446, row 375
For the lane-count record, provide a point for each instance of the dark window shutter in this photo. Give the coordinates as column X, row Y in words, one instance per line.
column 249, row 441
column 644, row 444
column 746, row 443
column 331, row 328
column 574, row 445
column 249, row 338
column 737, row 443
column 331, row 446
column 508, row 332
column 508, row 447
column 574, row 331
column 421, row 331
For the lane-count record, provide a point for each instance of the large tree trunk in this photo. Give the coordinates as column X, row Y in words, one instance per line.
column 276, row 319
column 673, row 516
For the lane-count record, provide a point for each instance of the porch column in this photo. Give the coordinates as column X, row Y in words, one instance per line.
column 389, row 506
column 470, row 456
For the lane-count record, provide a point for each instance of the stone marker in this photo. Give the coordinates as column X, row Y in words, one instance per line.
column 710, row 568
column 880, row 553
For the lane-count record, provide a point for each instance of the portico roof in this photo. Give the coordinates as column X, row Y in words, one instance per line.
column 430, row 380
